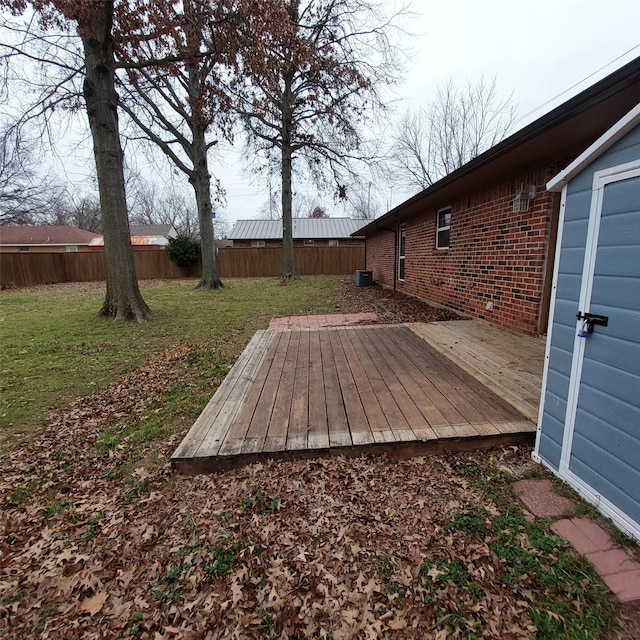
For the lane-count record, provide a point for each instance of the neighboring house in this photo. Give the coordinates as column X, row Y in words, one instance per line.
column 478, row 241
column 589, row 424
column 144, row 237
column 44, row 239
column 307, row 232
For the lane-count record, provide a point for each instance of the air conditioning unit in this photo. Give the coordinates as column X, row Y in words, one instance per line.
column 364, row 278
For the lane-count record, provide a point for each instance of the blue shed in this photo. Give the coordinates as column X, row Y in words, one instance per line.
column 589, row 420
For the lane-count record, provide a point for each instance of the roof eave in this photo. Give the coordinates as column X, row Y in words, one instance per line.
column 594, row 94
column 606, row 140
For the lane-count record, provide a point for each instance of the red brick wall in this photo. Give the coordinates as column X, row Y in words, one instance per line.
column 495, row 255
column 380, row 256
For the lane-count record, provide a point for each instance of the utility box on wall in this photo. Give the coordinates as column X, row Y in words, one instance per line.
column 364, row 278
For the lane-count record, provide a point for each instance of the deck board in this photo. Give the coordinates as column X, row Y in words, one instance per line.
column 318, row 428
column 213, row 422
column 359, row 389
column 356, row 420
column 508, row 364
column 337, row 420
column 299, row 414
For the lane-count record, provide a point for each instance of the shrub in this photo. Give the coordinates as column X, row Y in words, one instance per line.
column 184, row 251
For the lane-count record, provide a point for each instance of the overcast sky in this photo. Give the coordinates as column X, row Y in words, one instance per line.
column 540, row 50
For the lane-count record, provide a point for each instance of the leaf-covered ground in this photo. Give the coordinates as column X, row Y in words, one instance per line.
column 98, row 542
column 392, row 306
column 100, row 539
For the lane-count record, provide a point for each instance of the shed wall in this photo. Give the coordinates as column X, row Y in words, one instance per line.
column 567, row 294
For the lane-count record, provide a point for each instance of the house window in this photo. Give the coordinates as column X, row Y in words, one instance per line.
column 71, row 248
column 308, row 243
column 443, row 228
column 402, row 242
column 257, row 243
column 23, row 249
column 333, row 243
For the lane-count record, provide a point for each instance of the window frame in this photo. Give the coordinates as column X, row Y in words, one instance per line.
column 402, row 252
column 334, row 243
column 308, row 243
column 444, row 227
column 257, row 244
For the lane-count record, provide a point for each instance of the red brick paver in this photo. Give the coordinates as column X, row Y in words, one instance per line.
column 616, row 567
column 331, row 320
column 540, row 499
column 583, row 535
column 625, row 585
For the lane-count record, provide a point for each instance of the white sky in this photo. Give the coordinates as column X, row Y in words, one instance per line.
column 537, row 49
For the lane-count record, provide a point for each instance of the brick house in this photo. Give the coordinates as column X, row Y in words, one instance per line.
column 481, row 241
column 307, row 232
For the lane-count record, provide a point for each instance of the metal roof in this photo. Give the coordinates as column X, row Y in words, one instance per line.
column 303, row 229
column 136, row 241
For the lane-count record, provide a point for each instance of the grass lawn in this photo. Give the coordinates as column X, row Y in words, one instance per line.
column 54, row 348
column 100, row 539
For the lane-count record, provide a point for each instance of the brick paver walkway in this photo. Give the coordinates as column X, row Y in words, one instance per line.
column 617, row 568
column 331, row 320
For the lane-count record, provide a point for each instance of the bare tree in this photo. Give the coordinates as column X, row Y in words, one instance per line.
column 78, row 210
column 93, row 22
column 312, row 89
column 454, row 128
column 151, row 204
column 361, row 205
column 25, row 196
column 271, row 209
column 170, row 91
column 221, row 226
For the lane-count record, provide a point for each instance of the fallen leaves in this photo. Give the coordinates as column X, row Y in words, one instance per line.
column 391, row 306
column 352, row 548
column 93, row 605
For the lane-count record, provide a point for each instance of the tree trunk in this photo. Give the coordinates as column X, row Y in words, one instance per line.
column 123, row 300
column 200, row 179
column 288, row 266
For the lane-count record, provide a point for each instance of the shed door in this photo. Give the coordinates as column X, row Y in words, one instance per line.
column 601, row 450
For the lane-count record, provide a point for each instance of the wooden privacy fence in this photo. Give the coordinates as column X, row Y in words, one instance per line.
column 247, row 262
column 28, row 269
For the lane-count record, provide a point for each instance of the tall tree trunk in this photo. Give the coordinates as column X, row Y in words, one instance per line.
column 123, row 300
column 201, row 181
column 200, row 178
column 288, row 266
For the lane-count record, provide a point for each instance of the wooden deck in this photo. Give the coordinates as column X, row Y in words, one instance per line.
column 345, row 390
column 509, row 364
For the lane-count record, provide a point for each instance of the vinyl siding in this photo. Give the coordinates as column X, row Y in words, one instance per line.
column 606, row 444
column 569, row 280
